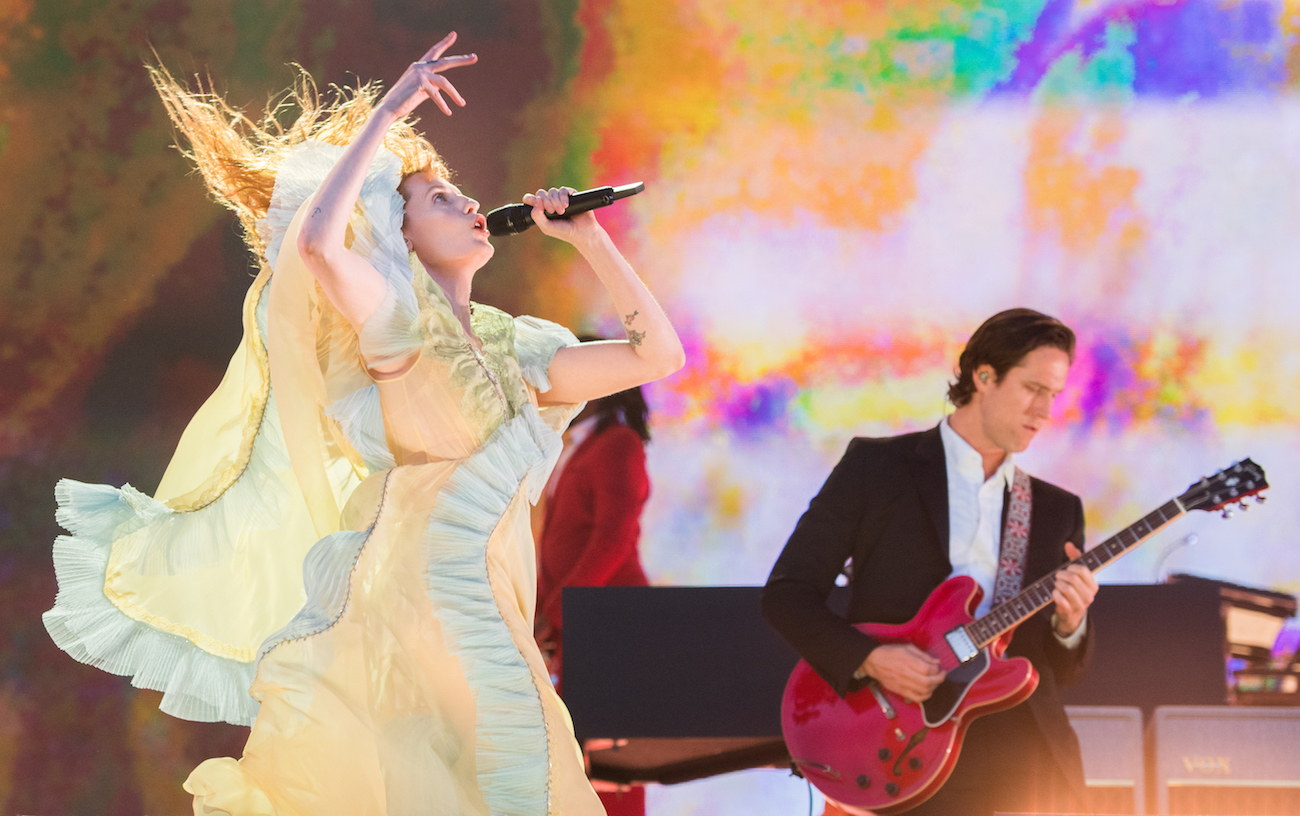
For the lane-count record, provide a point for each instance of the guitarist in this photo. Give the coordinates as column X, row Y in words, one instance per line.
column 900, row 515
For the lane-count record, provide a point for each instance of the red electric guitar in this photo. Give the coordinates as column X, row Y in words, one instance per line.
column 873, row 751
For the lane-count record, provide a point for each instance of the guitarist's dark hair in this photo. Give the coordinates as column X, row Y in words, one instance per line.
column 1002, row 342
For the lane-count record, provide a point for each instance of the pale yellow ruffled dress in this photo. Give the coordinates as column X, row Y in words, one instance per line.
column 345, row 564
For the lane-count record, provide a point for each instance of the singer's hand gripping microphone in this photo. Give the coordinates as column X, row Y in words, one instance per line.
column 515, row 218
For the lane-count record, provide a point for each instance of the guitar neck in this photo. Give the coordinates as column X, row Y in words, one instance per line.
column 1007, row 616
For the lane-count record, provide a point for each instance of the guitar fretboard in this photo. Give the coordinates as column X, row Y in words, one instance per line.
column 1005, row 617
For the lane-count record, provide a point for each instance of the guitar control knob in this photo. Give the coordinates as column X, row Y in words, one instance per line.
column 914, row 763
column 864, row 781
column 883, row 753
column 891, row 789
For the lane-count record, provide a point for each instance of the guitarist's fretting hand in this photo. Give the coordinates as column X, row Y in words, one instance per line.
column 904, row 669
column 1075, row 588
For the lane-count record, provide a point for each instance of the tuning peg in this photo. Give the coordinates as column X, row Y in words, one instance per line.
column 1229, row 512
column 1261, row 499
column 1242, row 504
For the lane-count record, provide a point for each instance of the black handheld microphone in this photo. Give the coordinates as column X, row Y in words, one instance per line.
column 515, row 218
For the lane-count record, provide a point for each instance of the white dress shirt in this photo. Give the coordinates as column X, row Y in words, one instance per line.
column 974, row 512
column 975, row 518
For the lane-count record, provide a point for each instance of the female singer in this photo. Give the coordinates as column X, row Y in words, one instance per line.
column 343, row 531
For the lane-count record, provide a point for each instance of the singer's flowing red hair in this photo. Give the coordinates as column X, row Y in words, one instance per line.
column 239, row 157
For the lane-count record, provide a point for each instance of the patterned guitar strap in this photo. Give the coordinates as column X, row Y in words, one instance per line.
column 1014, row 552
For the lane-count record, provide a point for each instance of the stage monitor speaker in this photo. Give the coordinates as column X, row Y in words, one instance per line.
column 1114, row 767
column 669, row 684
column 1227, row 760
column 1156, row 645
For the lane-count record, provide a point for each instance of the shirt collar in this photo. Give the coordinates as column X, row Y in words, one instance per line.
column 966, row 462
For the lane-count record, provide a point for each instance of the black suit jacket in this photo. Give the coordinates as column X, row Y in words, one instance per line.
column 885, row 506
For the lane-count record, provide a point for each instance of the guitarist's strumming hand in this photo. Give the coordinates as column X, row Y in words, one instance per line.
column 1075, row 588
column 903, row 669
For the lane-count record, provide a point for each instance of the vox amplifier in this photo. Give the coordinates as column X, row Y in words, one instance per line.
column 1227, row 760
column 1114, row 767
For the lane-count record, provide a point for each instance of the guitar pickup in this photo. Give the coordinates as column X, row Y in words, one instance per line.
column 961, row 644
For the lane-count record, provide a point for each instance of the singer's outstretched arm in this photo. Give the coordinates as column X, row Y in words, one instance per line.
column 350, row 282
column 592, row 370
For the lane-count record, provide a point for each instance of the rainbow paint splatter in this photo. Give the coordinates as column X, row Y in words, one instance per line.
column 838, row 193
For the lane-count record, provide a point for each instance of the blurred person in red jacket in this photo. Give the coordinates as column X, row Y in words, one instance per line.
column 591, row 519
column 590, row 526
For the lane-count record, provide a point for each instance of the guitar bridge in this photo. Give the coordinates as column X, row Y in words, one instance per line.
column 961, row 644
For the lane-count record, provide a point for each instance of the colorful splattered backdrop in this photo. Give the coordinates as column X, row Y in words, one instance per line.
column 837, row 194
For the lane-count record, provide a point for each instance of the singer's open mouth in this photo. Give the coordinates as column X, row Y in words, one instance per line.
column 480, row 223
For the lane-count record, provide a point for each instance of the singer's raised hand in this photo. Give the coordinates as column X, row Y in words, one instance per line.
column 652, row 350
column 350, row 282
column 423, row 80
column 555, row 200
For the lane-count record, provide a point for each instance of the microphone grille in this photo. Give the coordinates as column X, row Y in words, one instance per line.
column 509, row 220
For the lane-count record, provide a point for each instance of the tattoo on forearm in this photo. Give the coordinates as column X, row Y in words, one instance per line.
column 315, row 212
column 635, row 337
column 627, row 321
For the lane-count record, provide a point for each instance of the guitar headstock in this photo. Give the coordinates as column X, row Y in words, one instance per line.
column 1231, row 485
